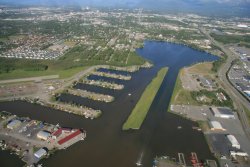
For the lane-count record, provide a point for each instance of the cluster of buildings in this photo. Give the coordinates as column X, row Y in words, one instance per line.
column 28, row 53
column 26, row 134
column 61, row 137
column 231, row 146
column 223, row 130
column 43, row 47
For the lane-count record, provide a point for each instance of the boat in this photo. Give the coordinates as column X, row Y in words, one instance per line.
column 138, row 163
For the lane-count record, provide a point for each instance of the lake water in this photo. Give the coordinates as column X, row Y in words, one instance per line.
column 106, row 144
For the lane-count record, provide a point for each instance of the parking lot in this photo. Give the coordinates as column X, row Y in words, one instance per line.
column 218, row 142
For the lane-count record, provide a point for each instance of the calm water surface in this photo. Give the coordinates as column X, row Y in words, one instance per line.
column 106, row 145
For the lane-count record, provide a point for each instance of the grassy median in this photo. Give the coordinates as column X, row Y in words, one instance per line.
column 140, row 111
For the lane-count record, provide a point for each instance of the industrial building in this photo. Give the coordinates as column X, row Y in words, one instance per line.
column 43, row 135
column 40, row 153
column 233, row 141
column 57, row 133
column 69, row 137
column 223, row 113
column 242, row 154
column 215, row 125
column 14, row 124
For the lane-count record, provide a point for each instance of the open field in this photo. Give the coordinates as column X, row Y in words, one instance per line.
column 140, row 111
column 202, row 68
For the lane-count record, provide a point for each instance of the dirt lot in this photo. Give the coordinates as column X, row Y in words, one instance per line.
column 18, row 89
column 189, row 75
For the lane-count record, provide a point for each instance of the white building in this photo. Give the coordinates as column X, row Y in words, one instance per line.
column 233, row 141
column 215, row 125
column 242, row 154
column 242, row 26
column 40, row 153
column 222, row 113
column 14, row 124
column 43, row 135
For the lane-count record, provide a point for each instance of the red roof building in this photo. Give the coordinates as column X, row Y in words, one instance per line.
column 69, row 137
column 57, row 133
column 66, row 130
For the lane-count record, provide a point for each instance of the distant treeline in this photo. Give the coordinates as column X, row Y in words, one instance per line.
column 226, row 39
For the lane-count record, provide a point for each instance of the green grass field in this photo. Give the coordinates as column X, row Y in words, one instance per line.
column 25, row 74
column 140, row 111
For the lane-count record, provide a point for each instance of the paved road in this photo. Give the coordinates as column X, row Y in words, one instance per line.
column 68, row 82
column 30, row 79
column 238, row 99
column 25, row 139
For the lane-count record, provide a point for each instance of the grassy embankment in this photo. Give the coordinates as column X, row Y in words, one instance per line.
column 140, row 111
column 186, row 97
column 247, row 111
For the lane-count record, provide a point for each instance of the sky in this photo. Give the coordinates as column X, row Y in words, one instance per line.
column 210, row 7
column 108, row 2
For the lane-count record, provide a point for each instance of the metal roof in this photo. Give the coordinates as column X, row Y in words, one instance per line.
column 41, row 152
column 13, row 124
column 233, row 140
column 216, row 125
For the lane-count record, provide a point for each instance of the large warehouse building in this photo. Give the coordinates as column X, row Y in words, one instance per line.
column 43, row 135
column 14, row 124
column 233, row 141
column 215, row 125
column 223, row 113
column 40, row 153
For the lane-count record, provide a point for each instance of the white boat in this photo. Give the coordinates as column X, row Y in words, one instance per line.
column 138, row 163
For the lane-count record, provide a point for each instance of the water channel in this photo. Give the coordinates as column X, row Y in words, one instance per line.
column 106, row 144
